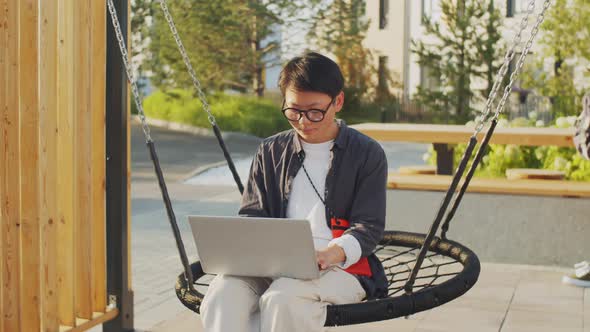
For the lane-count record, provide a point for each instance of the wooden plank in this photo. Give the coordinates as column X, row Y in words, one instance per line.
column 430, row 133
column 83, row 159
column 492, row 186
column 29, row 154
column 9, row 180
column 85, row 324
column 48, row 162
column 98, row 95
column 533, row 173
column 65, row 152
column 3, row 129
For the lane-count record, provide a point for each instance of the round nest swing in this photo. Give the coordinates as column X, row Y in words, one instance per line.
column 423, row 270
column 451, row 269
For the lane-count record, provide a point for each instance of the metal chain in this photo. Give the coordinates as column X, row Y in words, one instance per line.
column 481, row 120
column 187, row 62
column 521, row 59
column 125, row 56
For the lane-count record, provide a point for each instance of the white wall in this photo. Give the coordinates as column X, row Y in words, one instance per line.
column 390, row 41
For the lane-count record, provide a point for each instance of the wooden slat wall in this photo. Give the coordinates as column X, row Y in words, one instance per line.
column 48, row 95
column 97, row 102
column 11, row 177
column 83, row 159
column 3, row 110
column 29, row 156
column 65, row 151
column 52, row 165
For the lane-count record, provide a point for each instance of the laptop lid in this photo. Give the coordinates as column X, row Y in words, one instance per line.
column 256, row 247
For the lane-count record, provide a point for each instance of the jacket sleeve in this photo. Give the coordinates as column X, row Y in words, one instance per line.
column 254, row 199
column 367, row 214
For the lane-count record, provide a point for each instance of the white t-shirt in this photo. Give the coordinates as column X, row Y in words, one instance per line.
column 304, row 203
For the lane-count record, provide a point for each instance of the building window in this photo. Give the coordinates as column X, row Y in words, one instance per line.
column 515, row 7
column 383, row 13
column 427, row 80
column 431, row 9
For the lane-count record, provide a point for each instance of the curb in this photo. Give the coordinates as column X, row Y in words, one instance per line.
column 199, row 131
column 201, row 169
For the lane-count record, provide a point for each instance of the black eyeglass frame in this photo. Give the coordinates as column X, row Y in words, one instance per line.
column 306, row 112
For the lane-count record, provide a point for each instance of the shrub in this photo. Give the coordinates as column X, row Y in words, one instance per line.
column 257, row 116
column 499, row 158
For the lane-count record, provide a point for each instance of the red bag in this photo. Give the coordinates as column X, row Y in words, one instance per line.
column 362, row 268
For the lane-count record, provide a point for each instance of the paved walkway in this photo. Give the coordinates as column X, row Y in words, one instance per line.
column 507, row 298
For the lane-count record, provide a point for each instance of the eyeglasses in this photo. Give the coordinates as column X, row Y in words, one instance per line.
column 313, row 115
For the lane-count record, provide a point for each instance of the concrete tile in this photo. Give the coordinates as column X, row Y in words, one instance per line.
column 165, row 311
column 398, row 324
column 553, row 288
column 456, row 318
column 494, row 293
column 548, row 304
column 587, row 310
column 184, row 321
column 527, row 320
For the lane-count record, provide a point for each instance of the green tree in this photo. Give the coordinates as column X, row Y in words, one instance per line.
column 564, row 38
column 340, row 29
column 464, row 47
column 230, row 42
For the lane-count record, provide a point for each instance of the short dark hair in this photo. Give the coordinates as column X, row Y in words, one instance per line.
column 312, row 72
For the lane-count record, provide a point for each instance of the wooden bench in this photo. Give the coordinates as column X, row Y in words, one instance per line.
column 530, row 187
column 444, row 136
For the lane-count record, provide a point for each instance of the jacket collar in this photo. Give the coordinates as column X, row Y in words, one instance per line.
column 340, row 141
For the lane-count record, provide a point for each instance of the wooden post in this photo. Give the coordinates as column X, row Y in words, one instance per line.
column 444, row 158
column 65, row 152
column 48, row 163
column 29, row 155
column 98, row 19
column 83, row 160
column 117, row 202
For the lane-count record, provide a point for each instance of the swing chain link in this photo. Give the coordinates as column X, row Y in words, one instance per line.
column 125, row 56
column 187, row 62
column 482, row 119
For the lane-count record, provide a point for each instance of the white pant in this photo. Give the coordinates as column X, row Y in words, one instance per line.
column 260, row 304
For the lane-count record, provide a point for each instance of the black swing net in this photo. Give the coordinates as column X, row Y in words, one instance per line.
column 423, row 270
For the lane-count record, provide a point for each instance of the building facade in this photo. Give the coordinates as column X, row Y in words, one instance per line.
column 395, row 23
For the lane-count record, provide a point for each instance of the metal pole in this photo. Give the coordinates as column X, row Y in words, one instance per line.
column 117, row 167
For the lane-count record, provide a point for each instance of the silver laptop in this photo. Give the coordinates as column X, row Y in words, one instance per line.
column 256, row 247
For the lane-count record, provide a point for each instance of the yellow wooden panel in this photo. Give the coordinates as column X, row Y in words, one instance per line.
column 65, row 152
column 29, row 154
column 3, row 110
column 98, row 95
column 48, row 162
column 83, row 159
column 492, row 186
column 430, row 133
column 10, row 179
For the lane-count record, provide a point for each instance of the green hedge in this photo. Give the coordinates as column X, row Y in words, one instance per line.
column 256, row 116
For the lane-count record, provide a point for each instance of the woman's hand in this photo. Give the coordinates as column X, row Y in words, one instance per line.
column 330, row 256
